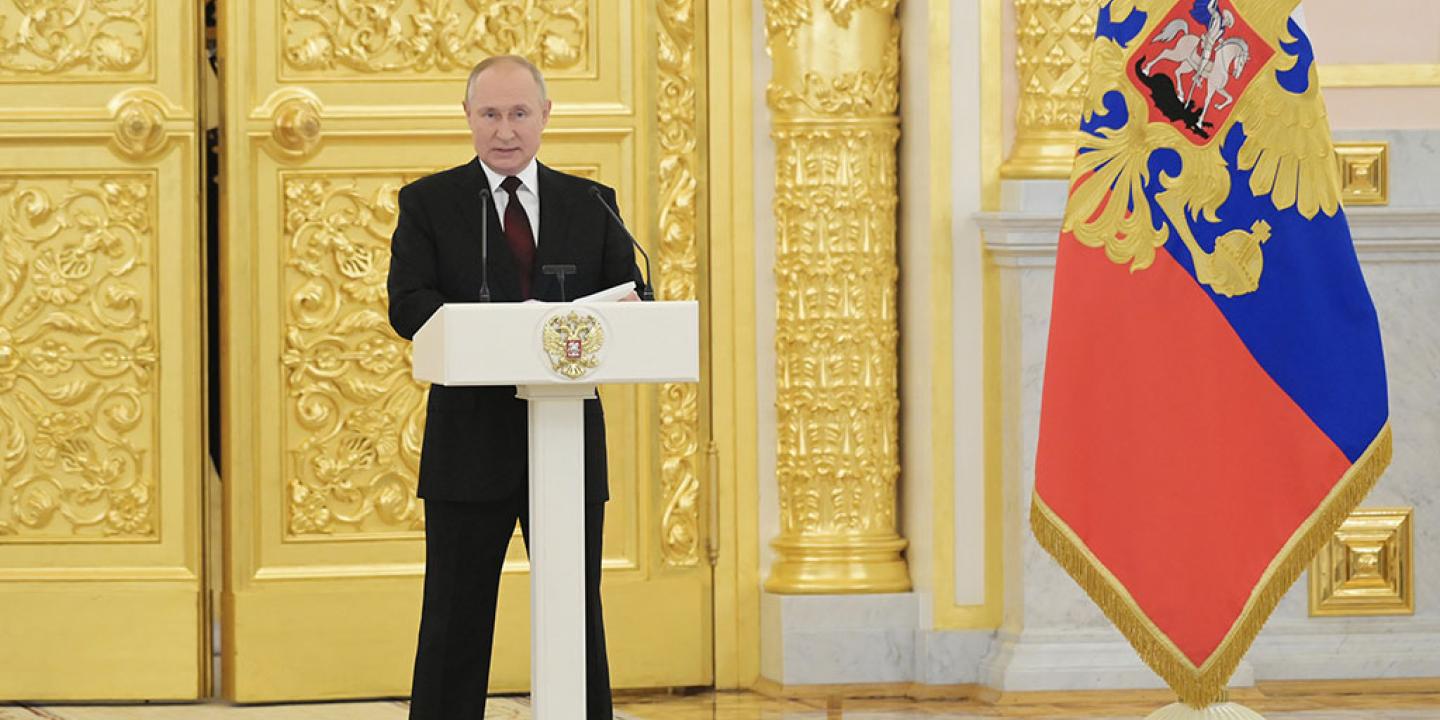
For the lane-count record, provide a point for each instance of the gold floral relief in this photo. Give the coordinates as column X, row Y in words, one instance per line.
column 411, row 37
column 41, row 38
column 78, row 395
column 679, row 275
column 354, row 416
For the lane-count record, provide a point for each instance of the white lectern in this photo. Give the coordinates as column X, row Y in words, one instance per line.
column 555, row 354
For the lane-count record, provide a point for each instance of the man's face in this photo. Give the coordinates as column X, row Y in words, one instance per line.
column 506, row 116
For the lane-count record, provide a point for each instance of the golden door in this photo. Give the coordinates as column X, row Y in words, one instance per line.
column 329, row 107
column 101, row 372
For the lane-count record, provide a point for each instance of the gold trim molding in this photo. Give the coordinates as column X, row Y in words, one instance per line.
column 677, row 106
column 834, row 95
column 1053, row 41
column 1379, row 75
column 1368, row 568
column 1364, row 172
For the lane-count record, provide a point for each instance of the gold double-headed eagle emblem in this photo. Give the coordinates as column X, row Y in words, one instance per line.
column 572, row 340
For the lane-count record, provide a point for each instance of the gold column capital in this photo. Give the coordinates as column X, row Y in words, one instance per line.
column 834, row 96
column 1052, row 57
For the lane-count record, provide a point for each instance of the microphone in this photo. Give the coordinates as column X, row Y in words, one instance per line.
column 484, row 245
column 647, row 290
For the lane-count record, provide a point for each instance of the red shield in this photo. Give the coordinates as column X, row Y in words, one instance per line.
column 574, row 349
column 1193, row 73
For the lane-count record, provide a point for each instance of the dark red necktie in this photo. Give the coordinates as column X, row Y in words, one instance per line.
column 519, row 234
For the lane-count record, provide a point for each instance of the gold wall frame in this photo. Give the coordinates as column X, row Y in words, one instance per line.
column 1379, row 75
column 1368, row 568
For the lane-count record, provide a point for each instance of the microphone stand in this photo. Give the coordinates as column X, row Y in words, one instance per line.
column 485, row 245
column 647, row 290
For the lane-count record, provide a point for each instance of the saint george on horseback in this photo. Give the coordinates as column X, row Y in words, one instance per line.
column 1210, row 56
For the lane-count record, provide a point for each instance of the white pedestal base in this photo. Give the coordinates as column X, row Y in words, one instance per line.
column 557, row 549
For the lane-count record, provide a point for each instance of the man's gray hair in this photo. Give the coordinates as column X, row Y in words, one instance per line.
column 490, row 62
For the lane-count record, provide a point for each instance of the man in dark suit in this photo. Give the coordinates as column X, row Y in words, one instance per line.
column 474, row 464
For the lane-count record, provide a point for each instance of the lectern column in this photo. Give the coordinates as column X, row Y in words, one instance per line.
column 557, row 549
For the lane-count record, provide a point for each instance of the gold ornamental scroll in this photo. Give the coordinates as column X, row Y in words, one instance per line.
column 834, row 97
column 1052, row 57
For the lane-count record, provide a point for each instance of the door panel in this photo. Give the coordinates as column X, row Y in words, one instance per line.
column 330, row 108
column 101, row 292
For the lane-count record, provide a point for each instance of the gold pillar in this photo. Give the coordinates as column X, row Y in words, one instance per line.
column 1052, row 57
column 834, row 96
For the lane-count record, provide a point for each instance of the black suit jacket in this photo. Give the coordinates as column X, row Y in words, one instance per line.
column 477, row 438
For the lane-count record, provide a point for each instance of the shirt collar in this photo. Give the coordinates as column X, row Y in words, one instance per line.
column 528, row 176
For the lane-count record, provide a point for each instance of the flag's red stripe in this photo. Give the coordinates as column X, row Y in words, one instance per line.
column 1143, row 372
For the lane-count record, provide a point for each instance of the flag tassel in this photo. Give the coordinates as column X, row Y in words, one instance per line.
column 1204, row 686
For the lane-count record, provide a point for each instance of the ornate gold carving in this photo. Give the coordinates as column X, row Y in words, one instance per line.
column 296, row 125
column 1364, row 172
column 139, row 115
column 418, row 36
column 1053, row 38
column 573, row 341
column 1368, row 568
column 836, row 329
column 785, row 17
column 679, row 275
column 73, row 37
column 78, row 396
column 355, row 416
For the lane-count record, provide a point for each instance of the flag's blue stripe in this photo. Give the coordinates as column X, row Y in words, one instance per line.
column 1311, row 324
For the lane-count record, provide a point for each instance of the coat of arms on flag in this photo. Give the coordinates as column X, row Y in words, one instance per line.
column 1215, row 401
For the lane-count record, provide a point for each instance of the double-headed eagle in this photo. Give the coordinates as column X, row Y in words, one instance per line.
column 1287, row 148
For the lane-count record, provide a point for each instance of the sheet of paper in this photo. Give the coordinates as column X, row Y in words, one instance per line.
column 609, row 294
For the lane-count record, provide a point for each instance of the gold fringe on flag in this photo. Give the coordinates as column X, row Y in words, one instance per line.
column 1205, row 685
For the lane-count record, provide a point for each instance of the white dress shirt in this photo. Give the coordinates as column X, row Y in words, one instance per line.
column 528, row 192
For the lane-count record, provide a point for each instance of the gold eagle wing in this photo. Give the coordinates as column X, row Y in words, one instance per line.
column 1288, row 145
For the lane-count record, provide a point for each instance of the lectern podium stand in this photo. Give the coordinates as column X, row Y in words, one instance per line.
column 555, row 354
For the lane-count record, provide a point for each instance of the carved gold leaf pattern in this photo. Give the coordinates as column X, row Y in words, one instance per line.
column 418, row 36
column 355, row 416
column 679, row 274
column 1052, row 57
column 74, row 37
column 1054, row 42
column 836, row 336
column 78, row 397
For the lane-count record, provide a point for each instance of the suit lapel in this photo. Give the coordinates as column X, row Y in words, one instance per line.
column 554, row 228
column 504, row 280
